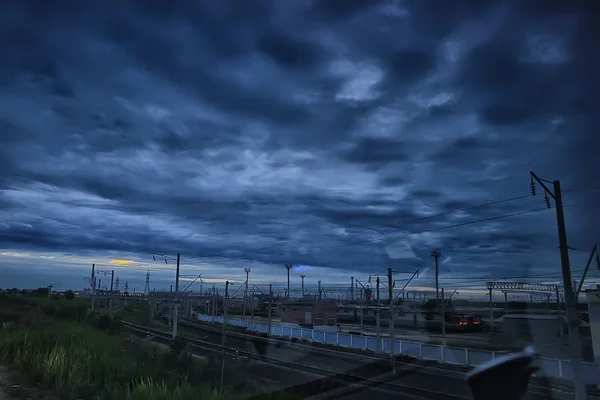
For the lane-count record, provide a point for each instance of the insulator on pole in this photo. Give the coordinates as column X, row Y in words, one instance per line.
column 547, row 200
column 532, row 186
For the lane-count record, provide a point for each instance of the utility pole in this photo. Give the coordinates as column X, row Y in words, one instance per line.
column 147, row 285
column 491, row 311
column 247, row 271
column 351, row 288
column 270, row 305
column 378, row 311
column 151, row 304
column 176, row 305
column 224, row 332
column 110, row 301
column 362, row 307
column 392, row 342
column 214, row 301
column 436, row 255
column 571, row 303
column 93, row 285
column 288, row 267
column 444, row 316
column 302, row 277
column 319, row 287
column 585, row 271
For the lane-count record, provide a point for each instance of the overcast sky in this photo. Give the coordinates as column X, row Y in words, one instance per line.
column 326, row 134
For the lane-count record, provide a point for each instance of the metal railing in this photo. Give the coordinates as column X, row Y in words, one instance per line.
column 447, row 354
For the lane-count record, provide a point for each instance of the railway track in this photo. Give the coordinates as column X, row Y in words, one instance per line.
column 373, row 376
column 538, row 388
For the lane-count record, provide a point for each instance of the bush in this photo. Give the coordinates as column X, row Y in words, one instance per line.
column 106, row 323
column 49, row 309
column 71, row 312
column 8, row 316
column 179, row 345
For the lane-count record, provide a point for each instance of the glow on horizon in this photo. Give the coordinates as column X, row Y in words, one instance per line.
column 122, row 262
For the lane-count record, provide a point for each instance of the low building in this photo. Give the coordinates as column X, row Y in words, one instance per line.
column 308, row 313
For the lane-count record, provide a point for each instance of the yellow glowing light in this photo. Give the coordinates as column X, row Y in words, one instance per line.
column 122, row 262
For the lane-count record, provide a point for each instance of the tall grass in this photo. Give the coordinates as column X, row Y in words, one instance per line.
column 80, row 362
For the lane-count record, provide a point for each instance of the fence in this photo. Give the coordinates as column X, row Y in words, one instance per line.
column 447, row 354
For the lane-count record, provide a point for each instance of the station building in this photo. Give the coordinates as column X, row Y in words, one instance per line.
column 308, row 313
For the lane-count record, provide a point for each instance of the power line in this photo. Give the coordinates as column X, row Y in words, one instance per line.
column 435, row 229
column 442, row 214
column 383, row 238
column 582, row 189
column 395, row 224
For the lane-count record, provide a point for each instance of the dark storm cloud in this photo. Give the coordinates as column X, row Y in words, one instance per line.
column 376, row 151
column 320, row 133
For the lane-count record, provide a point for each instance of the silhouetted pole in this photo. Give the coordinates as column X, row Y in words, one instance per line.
column 247, row 271
column 571, row 303
column 491, row 311
column 176, row 305
column 288, row 267
column 224, row 331
column 443, row 317
column 392, row 344
column 270, row 305
column 93, row 286
column 377, row 317
column 302, row 277
column 436, row 255
column 110, row 301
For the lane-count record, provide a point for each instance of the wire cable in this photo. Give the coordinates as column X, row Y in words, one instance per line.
column 221, row 254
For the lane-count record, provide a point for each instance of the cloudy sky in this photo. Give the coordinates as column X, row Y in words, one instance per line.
column 343, row 137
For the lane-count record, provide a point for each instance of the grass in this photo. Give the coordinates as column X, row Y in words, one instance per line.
column 80, row 362
column 59, row 345
column 139, row 314
column 55, row 346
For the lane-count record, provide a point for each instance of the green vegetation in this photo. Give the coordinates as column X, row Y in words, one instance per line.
column 78, row 355
column 80, row 362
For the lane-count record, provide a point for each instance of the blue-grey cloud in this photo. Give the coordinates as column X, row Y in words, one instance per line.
column 318, row 133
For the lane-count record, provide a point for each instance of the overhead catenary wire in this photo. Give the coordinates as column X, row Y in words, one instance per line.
column 229, row 254
column 288, row 253
column 482, row 205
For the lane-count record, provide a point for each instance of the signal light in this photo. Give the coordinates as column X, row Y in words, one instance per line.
column 547, row 200
column 532, row 186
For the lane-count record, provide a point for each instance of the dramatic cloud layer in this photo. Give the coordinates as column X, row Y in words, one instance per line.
column 318, row 133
